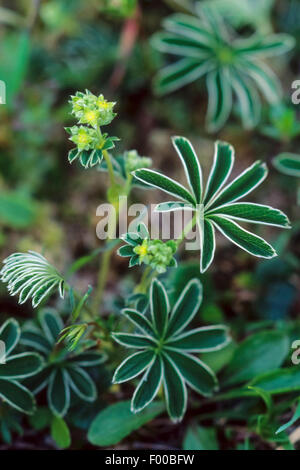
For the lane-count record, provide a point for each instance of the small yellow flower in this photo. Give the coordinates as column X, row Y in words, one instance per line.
column 90, row 117
column 141, row 250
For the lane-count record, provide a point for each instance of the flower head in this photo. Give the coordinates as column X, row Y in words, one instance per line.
column 93, row 111
column 155, row 253
column 133, row 161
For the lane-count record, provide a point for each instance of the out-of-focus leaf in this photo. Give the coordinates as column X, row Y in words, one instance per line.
column 293, row 419
column 16, row 210
column 200, row 438
column 261, row 352
column 117, row 421
column 60, row 432
column 15, row 54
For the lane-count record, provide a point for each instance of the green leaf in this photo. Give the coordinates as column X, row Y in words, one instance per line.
column 279, row 381
column 198, row 376
column 203, row 339
column 139, row 320
column 261, row 352
column 162, row 182
column 256, row 213
column 179, row 45
column 295, row 417
column 35, row 340
column 265, row 79
column 288, row 163
column 200, row 438
column 133, row 341
column 172, row 206
column 191, row 165
column 89, row 359
column 185, row 308
column 175, row 390
column 132, row 366
column 219, row 99
column 125, row 250
column 159, row 306
column 81, row 383
column 248, row 100
column 265, row 46
column 148, row 387
column 60, row 432
column 221, row 169
column 10, row 334
column 41, row 419
column 208, row 244
column 51, row 324
column 15, row 55
column 117, row 421
column 21, row 366
column 242, row 185
column 249, row 242
column 179, row 74
column 16, row 210
column 17, row 396
column 188, row 25
column 31, row 275
column 59, row 393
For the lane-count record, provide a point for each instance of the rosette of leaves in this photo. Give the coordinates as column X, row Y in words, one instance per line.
column 16, row 368
column 30, row 275
column 141, row 249
column 164, row 350
column 64, row 374
column 217, row 206
column 92, row 111
column 234, row 66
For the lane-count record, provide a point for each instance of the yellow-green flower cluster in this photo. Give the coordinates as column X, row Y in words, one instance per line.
column 159, row 254
column 133, row 161
column 140, row 249
column 91, row 109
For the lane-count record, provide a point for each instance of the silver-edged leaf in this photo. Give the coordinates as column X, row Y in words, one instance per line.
column 252, row 212
column 249, row 242
column 241, row 185
column 148, row 387
column 162, row 182
column 221, row 169
column 191, row 165
column 133, row 366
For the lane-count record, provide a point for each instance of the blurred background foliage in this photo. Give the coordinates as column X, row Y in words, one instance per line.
column 49, row 49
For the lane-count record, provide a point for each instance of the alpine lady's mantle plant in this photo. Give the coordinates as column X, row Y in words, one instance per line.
column 233, row 66
column 165, row 347
column 216, row 205
column 64, row 350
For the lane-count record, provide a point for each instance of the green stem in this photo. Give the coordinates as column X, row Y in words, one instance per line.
column 110, row 168
column 187, row 229
column 141, row 288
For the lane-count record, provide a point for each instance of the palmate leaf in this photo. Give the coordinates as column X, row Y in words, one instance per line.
column 233, row 66
column 218, row 206
column 64, row 374
column 164, row 357
column 30, row 275
column 16, row 368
